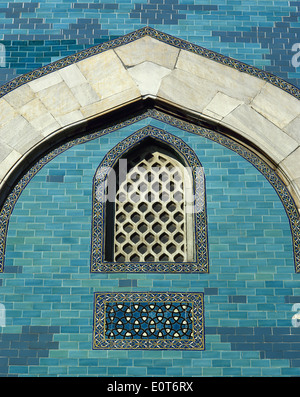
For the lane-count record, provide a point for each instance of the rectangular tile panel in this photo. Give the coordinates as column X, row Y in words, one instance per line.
column 148, row 320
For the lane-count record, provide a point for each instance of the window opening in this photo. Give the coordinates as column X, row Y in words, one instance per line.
column 150, row 222
column 149, row 207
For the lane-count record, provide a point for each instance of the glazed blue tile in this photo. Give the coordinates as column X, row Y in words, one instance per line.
column 231, row 282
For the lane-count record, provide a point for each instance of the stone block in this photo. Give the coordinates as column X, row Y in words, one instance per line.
column 280, row 112
column 45, row 124
column 291, row 164
column 106, row 74
column 261, row 132
column 33, row 109
column 110, row 103
column 221, row 105
column 148, row 77
column 293, row 129
column 236, row 84
column 8, row 163
column 187, row 90
column 7, row 112
column 44, row 82
column 70, row 118
column 72, row 76
column 148, row 49
column 59, row 99
column 12, row 130
column 19, row 134
column 85, row 94
column 4, row 150
column 20, row 96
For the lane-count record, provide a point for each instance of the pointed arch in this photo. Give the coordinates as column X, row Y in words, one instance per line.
column 73, row 96
column 265, row 168
column 190, row 222
column 66, row 97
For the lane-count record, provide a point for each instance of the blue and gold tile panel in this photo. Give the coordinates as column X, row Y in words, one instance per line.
column 127, row 320
column 148, row 320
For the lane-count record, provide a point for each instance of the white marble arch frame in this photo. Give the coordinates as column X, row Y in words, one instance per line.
column 58, row 100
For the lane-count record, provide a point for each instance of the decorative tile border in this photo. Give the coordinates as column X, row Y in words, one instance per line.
column 148, row 320
column 163, row 37
column 98, row 263
column 268, row 172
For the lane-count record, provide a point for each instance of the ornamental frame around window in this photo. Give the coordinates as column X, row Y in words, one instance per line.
column 200, row 262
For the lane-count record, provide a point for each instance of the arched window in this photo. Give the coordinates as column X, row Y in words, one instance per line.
column 149, row 207
column 150, row 218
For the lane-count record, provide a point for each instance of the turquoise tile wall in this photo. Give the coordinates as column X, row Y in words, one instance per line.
column 260, row 33
column 47, row 288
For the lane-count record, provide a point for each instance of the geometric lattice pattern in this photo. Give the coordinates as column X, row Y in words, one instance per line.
column 150, row 213
column 149, row 320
